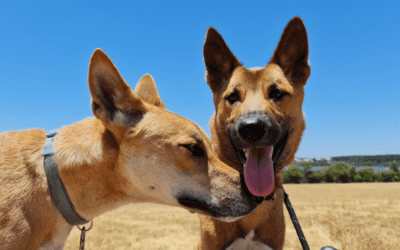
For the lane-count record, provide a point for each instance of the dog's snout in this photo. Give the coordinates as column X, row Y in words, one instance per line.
column 252, row 131
column 253, row 126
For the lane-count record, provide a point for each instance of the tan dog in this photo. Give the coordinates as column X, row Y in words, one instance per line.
column 133, row 150
column 256, row 129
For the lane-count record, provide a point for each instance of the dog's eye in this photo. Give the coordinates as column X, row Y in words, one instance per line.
column 233, row 98
column 195, row 149
column 276, row 94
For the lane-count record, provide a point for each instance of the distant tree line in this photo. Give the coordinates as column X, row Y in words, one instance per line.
column 320, row 163
column 339, row 172
column 358, row 160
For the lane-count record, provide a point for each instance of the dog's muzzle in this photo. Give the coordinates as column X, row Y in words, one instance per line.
column 255, row 129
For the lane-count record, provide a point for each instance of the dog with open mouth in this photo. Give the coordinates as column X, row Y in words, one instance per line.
column 256, row 129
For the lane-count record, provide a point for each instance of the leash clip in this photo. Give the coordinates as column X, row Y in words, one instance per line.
column 83, row 235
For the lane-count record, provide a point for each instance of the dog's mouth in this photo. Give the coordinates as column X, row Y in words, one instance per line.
column 260, row 162
column 201, row 206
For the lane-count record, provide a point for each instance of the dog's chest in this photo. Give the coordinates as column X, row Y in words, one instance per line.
column 248, row 243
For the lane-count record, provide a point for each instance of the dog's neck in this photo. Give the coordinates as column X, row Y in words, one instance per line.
column 87, row 157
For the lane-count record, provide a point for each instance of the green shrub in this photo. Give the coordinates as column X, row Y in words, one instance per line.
column 394, row 166
column 307, row 166
column 338, row 172
column 379, row 176
column 386, row 176
column 316, row 176
column 357, row 178
column 293, row 175
column 353, row 172
column 367, row 175
column 398, row 174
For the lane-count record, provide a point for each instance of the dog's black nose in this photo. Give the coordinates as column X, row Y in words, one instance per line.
column 255, row 127
column 252, row 129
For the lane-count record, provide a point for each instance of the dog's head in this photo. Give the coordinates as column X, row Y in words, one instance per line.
column 258, row 120
column 163, row 157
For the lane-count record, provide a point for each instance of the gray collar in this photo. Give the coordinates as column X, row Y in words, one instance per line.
column 57, row 189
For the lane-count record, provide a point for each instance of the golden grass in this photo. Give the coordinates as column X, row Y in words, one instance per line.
column 346, row 216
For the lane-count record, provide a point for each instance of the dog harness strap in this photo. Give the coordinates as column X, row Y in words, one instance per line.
column 57, row 189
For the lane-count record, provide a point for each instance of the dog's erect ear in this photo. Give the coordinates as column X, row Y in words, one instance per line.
column 219, row 60
column 113, row 101
column 291, row 54
column 147, row 90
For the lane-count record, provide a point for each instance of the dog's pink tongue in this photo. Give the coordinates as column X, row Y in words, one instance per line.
column 259, row 171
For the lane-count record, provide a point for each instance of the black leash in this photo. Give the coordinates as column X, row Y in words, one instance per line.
column 295, row 222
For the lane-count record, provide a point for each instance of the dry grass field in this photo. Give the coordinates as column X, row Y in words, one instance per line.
column 347, row 216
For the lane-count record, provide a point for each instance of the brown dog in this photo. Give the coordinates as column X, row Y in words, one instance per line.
column 133, row 150
column 256, row 129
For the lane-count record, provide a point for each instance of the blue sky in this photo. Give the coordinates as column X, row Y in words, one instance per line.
column 352, row 101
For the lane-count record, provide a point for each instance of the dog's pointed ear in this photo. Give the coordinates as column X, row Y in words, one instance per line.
column 220, row 62
column 291, row 54
column 147, row 90
column 113, row 101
